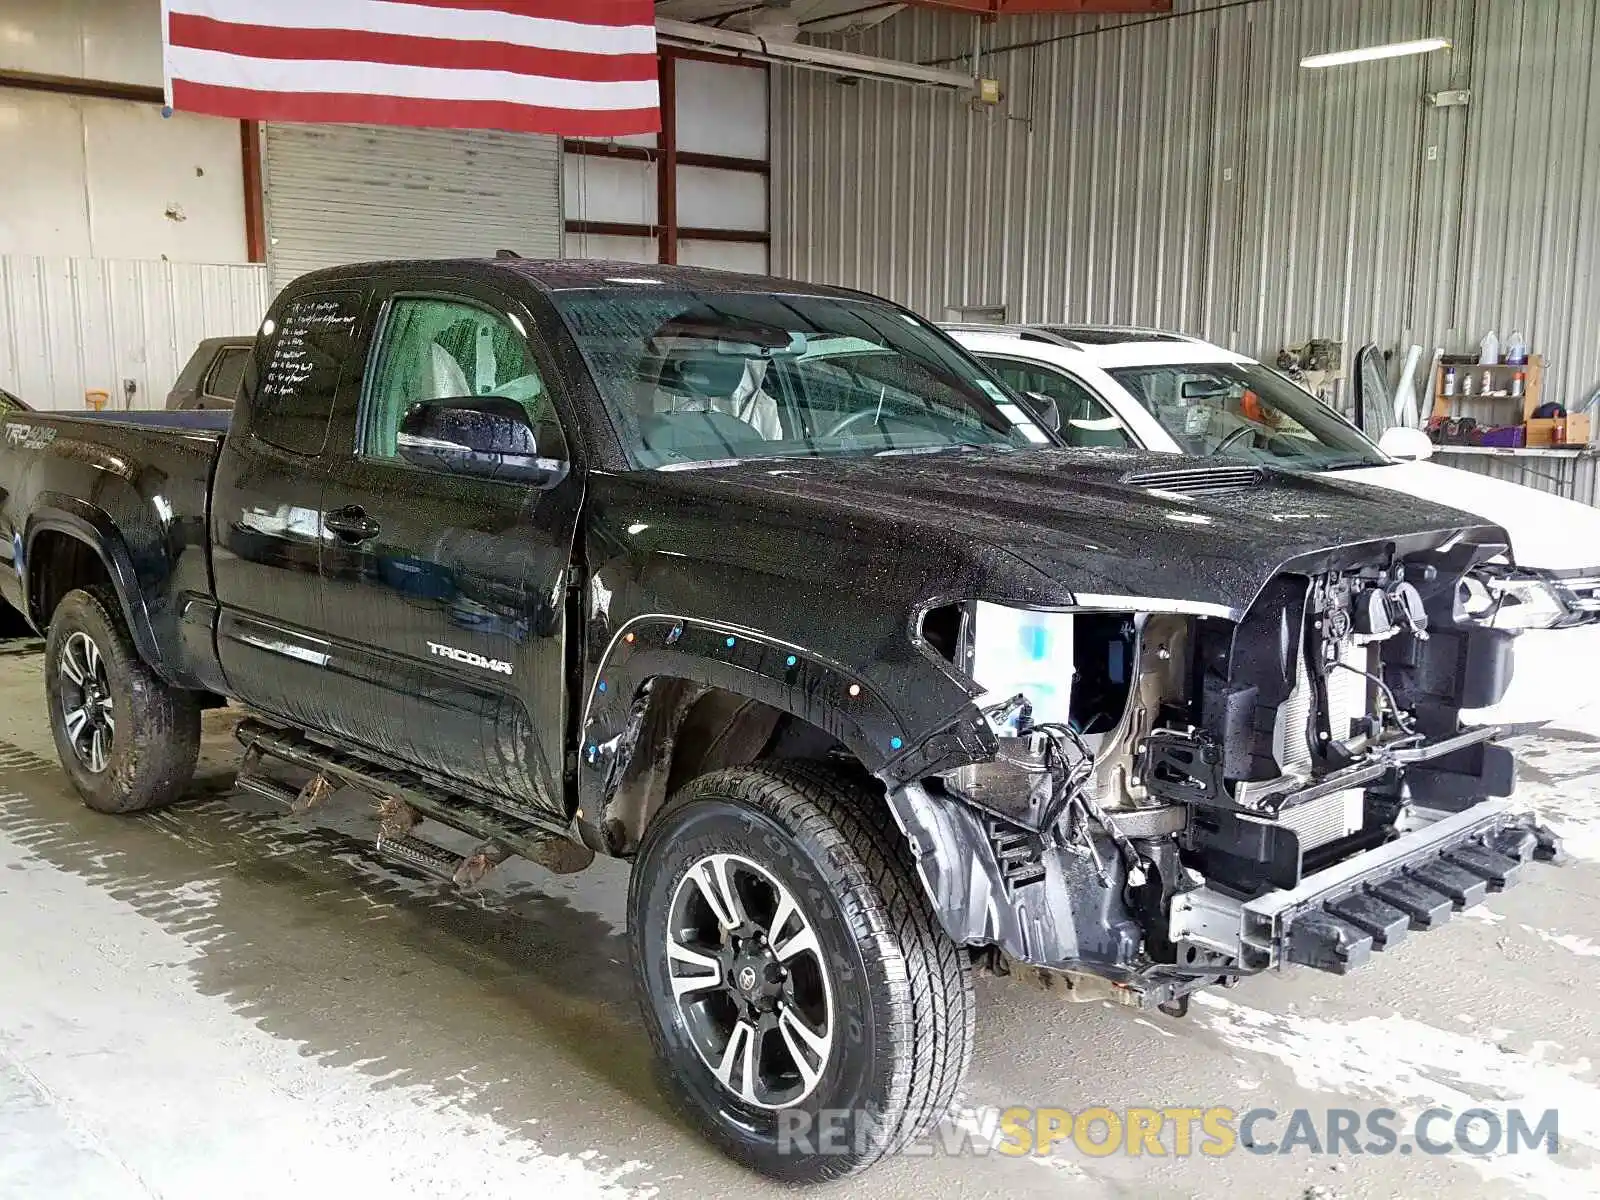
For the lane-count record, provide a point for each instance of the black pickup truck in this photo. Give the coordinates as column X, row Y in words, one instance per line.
column 773, row 590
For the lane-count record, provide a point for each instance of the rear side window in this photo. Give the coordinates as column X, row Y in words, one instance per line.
column 227, row 374
column 305, row 361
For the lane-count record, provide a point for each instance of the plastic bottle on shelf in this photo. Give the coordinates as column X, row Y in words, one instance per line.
column 1488, row 384
column 1466, row 383
column 1517, row 349
column 1519, row 381
column 1489, row 349
column 1449, row 381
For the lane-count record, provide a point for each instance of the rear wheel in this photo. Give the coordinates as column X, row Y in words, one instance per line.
column 128, row 741
column 810, row 1014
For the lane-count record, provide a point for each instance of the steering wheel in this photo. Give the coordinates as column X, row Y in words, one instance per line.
column 1233, row 437
column 844, row 423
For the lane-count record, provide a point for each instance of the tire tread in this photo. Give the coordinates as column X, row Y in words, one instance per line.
column 931, row 1004
column 164, row 723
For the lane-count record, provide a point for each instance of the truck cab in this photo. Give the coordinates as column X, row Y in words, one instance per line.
column 369, row 589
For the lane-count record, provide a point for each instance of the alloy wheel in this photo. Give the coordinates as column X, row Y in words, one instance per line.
column 86, row 705
column 749, row 980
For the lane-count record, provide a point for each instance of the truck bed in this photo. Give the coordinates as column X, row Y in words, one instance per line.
column 133, row 485
column 201, row 420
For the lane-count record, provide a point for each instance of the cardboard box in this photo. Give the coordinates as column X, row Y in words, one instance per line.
column 1541, row 431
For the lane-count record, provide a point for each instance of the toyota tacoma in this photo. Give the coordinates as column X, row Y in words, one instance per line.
column 774, row 591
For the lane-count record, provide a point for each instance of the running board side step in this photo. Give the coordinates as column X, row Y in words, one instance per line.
column 421, row 855
column 541, row 841
column 251, row 779
column 464, row 871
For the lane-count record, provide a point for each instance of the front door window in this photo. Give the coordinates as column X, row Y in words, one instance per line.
column 448, row 349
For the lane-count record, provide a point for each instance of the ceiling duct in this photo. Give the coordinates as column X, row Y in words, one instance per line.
column 771, row 24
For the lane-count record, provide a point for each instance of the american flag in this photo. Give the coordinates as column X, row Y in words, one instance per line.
column 580, row 68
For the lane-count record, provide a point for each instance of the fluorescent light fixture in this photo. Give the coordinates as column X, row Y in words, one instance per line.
column 736, row 44
column 1366, row 53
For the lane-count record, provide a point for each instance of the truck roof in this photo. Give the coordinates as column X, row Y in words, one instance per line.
column 557, row 275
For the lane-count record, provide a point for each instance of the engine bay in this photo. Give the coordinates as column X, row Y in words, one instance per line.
column 1156, row 773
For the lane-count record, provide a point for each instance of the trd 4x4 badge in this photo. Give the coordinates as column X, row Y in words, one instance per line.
column 29, row 437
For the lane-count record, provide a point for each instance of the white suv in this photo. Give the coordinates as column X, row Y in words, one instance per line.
column 1119, row 387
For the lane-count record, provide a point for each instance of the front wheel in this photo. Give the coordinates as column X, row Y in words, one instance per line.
column 128, row 741
column 810, row 1014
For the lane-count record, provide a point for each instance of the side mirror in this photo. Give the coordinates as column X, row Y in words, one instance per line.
column 1405, row 442
column 489, row 436
column 1045, row 410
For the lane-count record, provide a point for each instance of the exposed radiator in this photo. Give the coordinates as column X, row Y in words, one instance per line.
column 1347, row 700
column 1326, row 819
column 1331, row 817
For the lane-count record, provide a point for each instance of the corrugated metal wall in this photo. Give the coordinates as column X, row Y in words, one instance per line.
column 71, row 324
column 1188, row 173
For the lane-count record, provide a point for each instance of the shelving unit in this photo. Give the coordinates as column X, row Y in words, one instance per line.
column 1498, row 407
column 1521, row 451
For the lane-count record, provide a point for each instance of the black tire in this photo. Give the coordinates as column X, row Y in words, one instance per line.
column 155, row 740
column 903, row 990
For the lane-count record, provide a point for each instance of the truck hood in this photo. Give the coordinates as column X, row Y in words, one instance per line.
column 1073, row 525
column 1548, row 533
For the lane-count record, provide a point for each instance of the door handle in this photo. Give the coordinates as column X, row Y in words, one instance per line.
column 351, row 523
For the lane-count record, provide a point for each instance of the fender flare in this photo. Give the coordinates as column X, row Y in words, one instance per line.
column 742, row 661
column 93, row 527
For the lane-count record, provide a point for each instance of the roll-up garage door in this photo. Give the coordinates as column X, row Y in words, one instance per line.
column 352, row 193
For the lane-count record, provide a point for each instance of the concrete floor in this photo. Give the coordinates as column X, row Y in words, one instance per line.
column 218, row 1000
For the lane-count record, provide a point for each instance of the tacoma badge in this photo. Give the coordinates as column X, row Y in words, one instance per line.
column 471, row 659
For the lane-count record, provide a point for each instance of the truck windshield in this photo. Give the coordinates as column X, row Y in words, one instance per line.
column 697, row 377
column 1247, row 411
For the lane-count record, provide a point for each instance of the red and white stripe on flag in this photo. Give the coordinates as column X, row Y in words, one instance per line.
column 580, row 68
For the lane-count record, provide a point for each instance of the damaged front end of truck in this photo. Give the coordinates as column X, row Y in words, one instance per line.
column 1153, row 795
